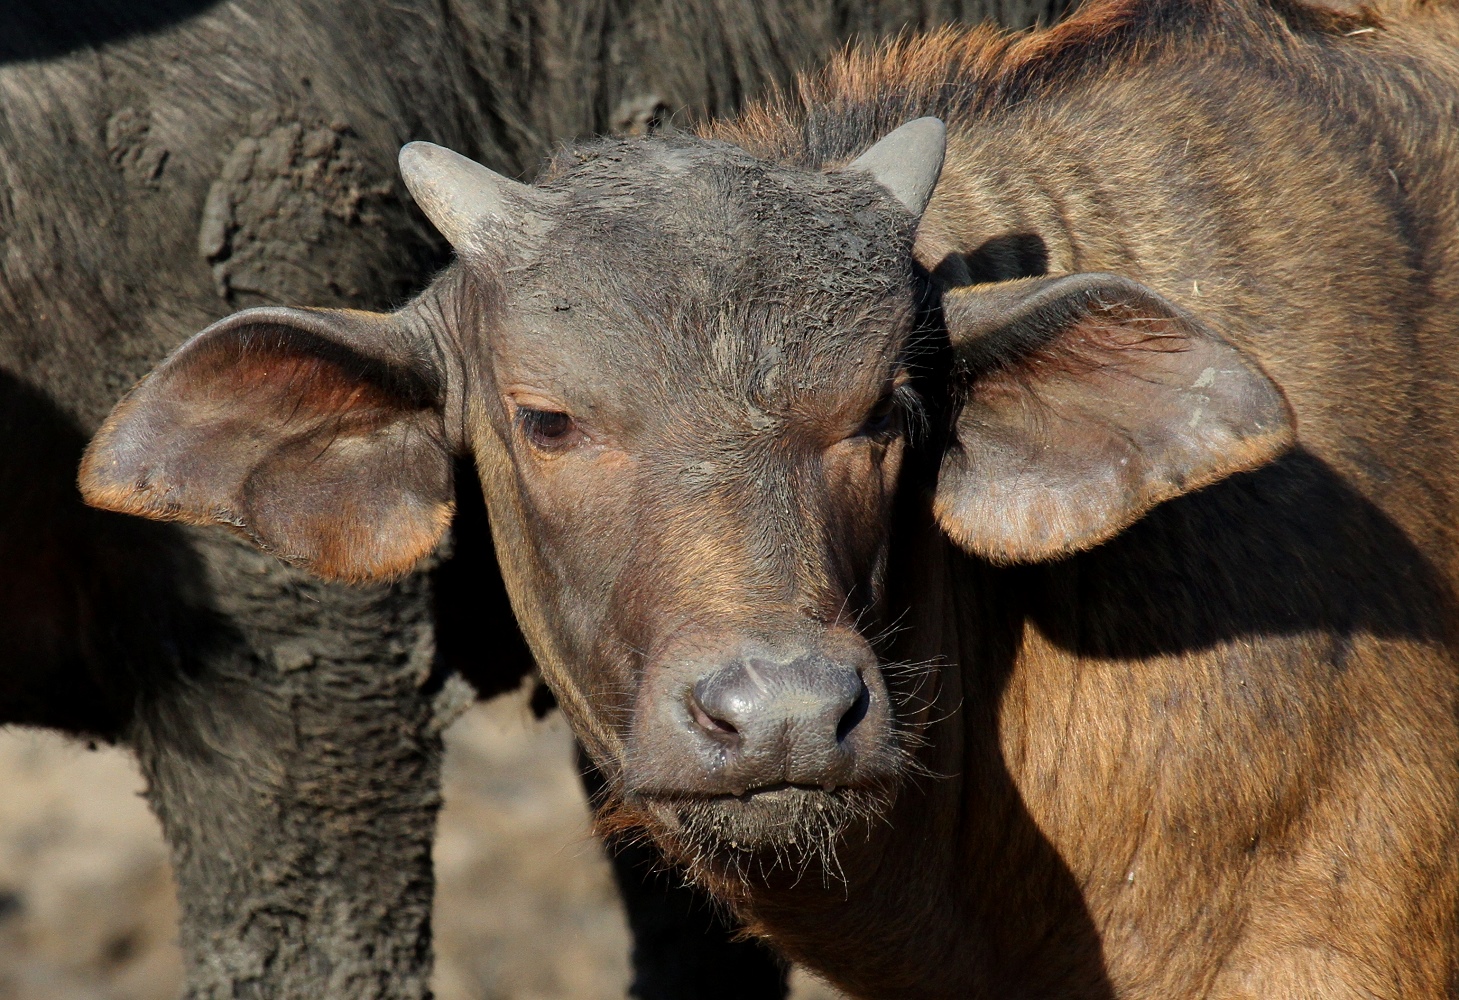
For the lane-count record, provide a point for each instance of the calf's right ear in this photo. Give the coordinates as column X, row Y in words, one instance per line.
column 318, row 434
column 1087, row 400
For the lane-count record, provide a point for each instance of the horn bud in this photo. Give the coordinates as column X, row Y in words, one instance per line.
column 907, row 161
column 463, row 199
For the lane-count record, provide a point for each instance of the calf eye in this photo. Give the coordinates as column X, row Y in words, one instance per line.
column 550, row 430
column 881, row 419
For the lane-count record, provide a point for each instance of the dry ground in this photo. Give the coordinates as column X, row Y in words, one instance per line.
column 525, row 906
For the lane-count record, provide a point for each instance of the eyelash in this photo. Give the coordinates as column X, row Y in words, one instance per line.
column 548, row 430
column 882, row 420
column 899, row 410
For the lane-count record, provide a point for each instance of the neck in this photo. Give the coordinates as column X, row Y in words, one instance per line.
column 1119, row 759
column 956, row 892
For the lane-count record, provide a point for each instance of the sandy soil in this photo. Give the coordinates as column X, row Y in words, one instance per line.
column 525, row 907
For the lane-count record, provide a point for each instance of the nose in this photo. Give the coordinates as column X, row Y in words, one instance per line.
column 777, row 721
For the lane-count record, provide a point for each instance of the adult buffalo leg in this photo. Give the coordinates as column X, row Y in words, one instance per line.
column 684, row 945
column 288, row 745
column 295, row 768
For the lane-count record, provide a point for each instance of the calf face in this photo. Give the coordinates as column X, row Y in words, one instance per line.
column 700, row 378
column 691, row 380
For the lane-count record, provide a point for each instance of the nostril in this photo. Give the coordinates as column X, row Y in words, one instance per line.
column 854, row 714
column 715, row 727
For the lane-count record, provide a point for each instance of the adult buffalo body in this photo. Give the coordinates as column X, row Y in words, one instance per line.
column 162, row 164
column 1025, row 574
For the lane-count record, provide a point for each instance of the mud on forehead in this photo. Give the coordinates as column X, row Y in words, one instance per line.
column 670, row 251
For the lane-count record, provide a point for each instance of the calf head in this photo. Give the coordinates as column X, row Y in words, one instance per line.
column 691, row 381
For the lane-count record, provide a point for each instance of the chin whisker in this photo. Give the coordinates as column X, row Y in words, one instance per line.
column 888, row 632
column 719, row 840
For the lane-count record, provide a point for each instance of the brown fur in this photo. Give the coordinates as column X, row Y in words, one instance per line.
column 1215, row 757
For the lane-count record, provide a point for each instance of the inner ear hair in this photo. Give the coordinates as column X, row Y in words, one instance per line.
column 1086, row 400
column 1004, row 325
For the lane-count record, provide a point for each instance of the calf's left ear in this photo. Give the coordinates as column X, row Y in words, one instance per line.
column 318, row 434
column 1087, row 400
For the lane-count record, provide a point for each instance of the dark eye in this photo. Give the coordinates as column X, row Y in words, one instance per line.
column 550, row 430
column 882, row 419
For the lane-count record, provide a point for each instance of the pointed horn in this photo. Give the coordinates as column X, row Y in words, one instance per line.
column 907, row 161
column 463, row 199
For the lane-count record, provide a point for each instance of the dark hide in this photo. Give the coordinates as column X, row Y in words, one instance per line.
column 161, row 164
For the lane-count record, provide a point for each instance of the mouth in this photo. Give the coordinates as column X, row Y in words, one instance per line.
column 787, row 825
